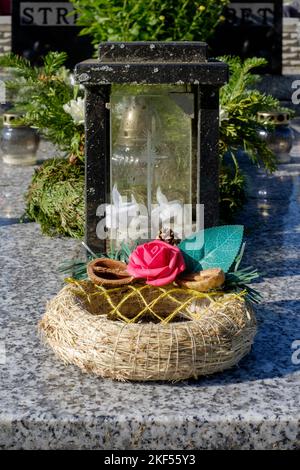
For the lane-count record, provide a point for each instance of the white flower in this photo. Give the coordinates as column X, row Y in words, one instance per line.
column 223, row 115
column 76, row 110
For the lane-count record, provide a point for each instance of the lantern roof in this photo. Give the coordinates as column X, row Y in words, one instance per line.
column 154, row 62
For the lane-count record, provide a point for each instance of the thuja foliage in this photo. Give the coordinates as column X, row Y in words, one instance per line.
column 154, row 20
column 232, row 193
column 239, row 103
column 55, row 198
column 41, row 93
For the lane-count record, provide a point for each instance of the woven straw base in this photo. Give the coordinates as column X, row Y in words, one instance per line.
column 80, row 332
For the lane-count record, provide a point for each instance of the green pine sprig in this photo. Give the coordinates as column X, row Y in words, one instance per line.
column 239, row 279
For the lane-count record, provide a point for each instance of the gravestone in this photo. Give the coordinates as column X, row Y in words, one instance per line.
column 292, row 9
column 38, row 27
column 251, row 28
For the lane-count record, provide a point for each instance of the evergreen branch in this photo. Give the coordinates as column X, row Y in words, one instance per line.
column 240, row 103
column 239, row 279
column 53, row 62
column 15, row 61
column 21, row 66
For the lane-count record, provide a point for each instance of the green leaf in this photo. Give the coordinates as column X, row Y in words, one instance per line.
column 215, row 247
column 221, row 246
column 193, row 250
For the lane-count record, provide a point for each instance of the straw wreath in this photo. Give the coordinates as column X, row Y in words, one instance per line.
column 138, row 332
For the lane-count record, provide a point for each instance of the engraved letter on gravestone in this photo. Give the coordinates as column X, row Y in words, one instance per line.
column 46, row 14
column 40, row 27
column 251, row 13
column 251, row 29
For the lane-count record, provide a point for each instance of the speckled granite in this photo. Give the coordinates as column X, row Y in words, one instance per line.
column 47, row 405
column 14, row 181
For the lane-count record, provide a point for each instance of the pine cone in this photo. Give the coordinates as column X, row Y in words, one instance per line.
column 167, row 235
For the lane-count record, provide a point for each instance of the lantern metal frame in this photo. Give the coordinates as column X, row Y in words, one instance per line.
column 140, row 63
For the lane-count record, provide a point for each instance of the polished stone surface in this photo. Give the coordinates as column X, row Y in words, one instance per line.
column 48, row 405
column 14, row 181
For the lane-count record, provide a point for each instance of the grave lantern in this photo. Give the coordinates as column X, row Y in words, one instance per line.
column 151, row 117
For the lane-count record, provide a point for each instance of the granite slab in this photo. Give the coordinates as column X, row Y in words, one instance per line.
column 48, row 405
column 14, row 181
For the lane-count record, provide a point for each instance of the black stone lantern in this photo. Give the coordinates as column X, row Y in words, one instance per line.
column 152, row 118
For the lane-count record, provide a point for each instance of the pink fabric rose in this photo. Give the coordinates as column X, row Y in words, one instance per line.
column 157, row 261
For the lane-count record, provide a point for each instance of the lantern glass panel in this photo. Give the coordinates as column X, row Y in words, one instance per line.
column 151, row 148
